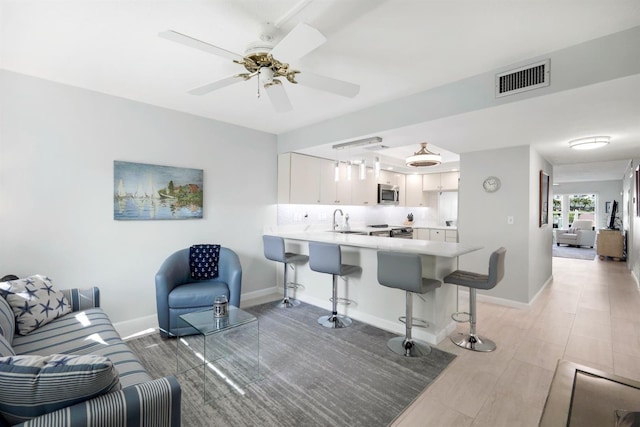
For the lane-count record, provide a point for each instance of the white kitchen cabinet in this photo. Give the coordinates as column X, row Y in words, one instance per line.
column 446, row 181
column 299, row 178
column 437, row 235
column 414, row 194
column 334, row 192
column 421, row 233
column 364, row 192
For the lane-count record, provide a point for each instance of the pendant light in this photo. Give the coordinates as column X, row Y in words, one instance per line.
column 424, row 157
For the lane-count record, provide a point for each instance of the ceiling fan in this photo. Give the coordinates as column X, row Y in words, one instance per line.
column 260, row 61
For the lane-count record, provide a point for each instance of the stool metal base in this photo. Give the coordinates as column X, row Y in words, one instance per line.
column 335, row 321
column 408, row 348
column 287, row 303
column 472, row 342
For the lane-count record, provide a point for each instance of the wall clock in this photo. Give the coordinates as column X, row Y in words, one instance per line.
column 491, row 184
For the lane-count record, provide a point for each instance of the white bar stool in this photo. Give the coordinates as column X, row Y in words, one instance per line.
column 327, row 258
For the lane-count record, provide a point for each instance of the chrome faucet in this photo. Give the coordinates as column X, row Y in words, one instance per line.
column 335, row 224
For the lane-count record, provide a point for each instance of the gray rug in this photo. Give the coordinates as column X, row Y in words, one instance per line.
column 309, row 375
column 564, row 251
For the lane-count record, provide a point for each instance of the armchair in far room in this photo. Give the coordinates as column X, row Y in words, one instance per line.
column 581, row 233
column 178, row 293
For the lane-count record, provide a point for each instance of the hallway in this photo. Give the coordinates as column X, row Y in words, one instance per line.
column 589, row 314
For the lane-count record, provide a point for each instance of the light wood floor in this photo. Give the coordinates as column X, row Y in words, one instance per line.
column 590, row 314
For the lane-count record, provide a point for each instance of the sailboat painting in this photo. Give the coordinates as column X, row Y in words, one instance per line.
column 149, row 192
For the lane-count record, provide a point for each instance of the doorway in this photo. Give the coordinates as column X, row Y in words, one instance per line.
column 568, row 208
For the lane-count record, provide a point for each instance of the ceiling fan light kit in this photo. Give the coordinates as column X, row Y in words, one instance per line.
column 259, row 61
column 423, row 157
column 589, row 143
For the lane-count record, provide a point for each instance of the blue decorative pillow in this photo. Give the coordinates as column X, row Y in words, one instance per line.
column 35, row 302
column 31, row 386
column 203, row 261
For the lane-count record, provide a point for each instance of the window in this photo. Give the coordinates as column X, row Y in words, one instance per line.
column 570, row 207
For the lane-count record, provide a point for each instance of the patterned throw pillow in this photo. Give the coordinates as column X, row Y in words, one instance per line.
column 203, row 261
column 31, row 386
column 35, row 302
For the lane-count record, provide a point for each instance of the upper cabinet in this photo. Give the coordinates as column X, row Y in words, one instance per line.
column 334, row 192
column 364, row 192
column 299, row 178
column 308, row 180
column 414, row 196
column 446, row 181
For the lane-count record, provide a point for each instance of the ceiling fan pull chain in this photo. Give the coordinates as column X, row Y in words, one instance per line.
column 258, row 94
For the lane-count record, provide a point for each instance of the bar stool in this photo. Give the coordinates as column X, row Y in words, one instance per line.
column 404, row 271
column 327, row 258
column 474, row 281
column 274, row 250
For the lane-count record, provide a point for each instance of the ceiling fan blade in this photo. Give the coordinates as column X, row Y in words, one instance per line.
column 328, row 84
column 299, row 42
column 198, row 44
column 278, row 97
column 203, row 90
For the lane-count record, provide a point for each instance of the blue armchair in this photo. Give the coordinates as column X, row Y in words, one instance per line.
column 177, row 293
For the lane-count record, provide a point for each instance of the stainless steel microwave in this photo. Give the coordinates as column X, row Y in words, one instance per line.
column 388, row 194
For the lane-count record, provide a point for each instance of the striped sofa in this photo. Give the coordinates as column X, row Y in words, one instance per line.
column 87, row 330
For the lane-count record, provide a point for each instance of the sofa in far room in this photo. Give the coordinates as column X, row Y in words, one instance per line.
column 581, row 233
column 62, row 363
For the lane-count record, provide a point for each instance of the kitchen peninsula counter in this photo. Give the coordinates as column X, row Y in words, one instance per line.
column 422, row 247
column 373, row 303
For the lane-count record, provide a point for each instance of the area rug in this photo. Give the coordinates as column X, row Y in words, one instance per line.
column 309, row 375
column 564, row 251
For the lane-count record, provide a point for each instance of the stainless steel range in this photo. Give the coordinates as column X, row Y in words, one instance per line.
column 402, row 233
column 391, row 231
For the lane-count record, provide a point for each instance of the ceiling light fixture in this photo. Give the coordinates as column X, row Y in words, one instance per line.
column 589, row 143
column 376, row 167
column 357, row 143
column 424, row 157
column 363, row 169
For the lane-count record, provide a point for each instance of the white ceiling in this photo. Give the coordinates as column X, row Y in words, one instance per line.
column 391, row 48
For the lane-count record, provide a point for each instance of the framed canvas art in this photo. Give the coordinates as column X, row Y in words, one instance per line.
column 151, row 192
column 544, row 198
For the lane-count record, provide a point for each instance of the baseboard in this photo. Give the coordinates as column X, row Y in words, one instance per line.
column 137, row 327
column 259, row 294
column 149, row 324
column 495, row 300
column 386, row 325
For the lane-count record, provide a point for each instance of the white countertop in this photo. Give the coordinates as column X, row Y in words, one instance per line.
column 423, row 247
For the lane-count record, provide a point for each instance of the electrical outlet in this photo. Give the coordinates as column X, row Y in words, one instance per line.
column 510, row 220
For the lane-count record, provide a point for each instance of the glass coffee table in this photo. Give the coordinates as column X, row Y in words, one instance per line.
column 220, row 354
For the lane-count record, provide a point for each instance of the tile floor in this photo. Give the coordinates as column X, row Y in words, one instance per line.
column 588, row 314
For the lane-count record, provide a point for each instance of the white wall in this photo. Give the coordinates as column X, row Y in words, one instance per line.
column 483, row 219
column 540, row 237
column 632, row 222
column 57, row 147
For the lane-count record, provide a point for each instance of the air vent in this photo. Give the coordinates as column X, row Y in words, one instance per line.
column 532, row 76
